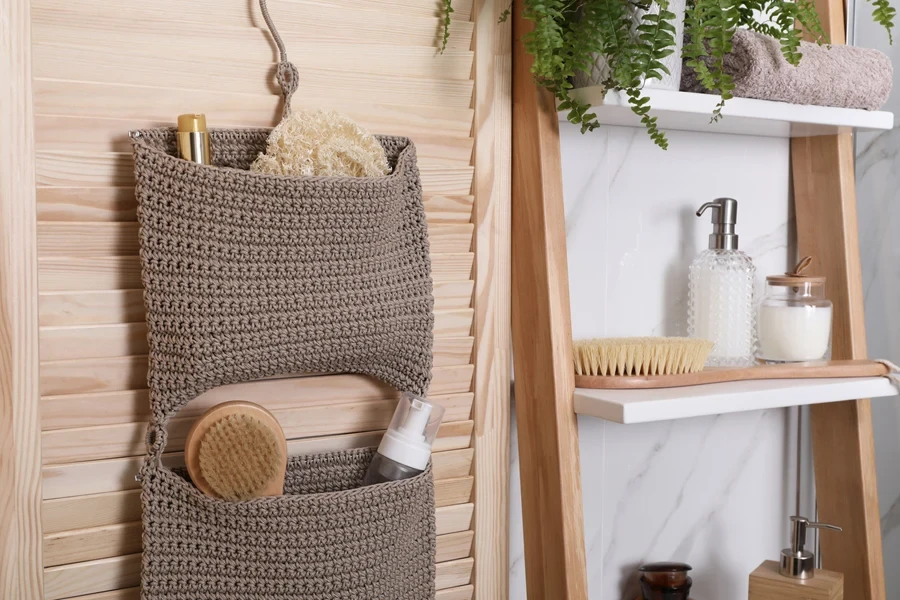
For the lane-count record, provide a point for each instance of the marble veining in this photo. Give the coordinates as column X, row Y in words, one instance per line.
column 878, row 201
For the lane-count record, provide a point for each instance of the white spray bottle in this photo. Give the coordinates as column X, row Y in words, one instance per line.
column 406, row 446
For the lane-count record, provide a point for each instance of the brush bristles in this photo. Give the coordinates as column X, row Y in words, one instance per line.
column 239, row 456
column 640, row 356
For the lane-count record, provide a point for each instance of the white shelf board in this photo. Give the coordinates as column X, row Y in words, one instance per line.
column 685, row 111
column 647, row 405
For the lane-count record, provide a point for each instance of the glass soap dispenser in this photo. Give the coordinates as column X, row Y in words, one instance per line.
column 721, row 292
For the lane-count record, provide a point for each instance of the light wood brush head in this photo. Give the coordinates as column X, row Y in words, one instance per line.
column 237, row 451
column 640, row 356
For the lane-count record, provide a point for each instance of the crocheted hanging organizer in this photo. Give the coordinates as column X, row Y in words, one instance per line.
column 247, row 276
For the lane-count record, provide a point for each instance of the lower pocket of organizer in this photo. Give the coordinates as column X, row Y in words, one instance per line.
column 326, row 538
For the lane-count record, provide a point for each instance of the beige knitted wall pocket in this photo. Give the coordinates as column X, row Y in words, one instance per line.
column 248, row 276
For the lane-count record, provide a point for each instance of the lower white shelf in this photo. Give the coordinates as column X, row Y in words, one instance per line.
column 644, row 406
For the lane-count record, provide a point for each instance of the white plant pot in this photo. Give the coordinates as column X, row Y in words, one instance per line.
column 672, row 81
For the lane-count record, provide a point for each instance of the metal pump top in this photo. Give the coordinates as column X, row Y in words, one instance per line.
column 724, row 218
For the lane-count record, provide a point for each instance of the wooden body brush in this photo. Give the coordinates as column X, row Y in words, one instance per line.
column 646, row 363
column 237, row 451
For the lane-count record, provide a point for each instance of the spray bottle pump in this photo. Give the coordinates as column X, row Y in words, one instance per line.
column 405, row 449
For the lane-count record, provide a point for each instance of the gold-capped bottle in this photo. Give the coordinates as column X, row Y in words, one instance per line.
column 192, row 138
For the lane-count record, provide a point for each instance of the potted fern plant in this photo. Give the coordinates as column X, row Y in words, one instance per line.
column 635, row 37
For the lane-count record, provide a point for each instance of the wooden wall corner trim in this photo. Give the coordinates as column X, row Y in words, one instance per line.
column 842, row 434
column 491, row 215
column 542, row 344
column 20, row 450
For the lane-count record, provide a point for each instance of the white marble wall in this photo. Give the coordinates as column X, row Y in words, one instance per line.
column 715, row 492
column 878, row 198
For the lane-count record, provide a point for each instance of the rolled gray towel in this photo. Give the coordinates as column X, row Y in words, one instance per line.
column 843, row 76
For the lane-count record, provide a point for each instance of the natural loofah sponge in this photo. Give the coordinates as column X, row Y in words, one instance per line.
column 321, row 142
column 239, row 456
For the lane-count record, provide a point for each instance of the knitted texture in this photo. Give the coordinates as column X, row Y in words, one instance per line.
column 325, row 539
column 249, row 275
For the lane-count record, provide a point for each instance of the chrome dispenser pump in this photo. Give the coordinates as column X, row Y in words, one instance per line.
column 796, row 562
column 724, row 218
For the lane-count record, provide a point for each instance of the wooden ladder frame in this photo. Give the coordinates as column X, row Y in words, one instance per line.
column 843, row 446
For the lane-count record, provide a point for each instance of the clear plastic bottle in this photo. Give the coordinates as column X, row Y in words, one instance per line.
column 722, row 281
column 405, row 448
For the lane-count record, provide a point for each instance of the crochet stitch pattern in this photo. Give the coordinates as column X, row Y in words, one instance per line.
column 325, row 539
column 249, row 275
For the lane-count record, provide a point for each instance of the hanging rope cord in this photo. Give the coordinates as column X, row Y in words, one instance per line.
column 286, row 74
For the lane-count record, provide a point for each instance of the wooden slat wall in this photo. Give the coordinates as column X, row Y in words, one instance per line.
column 100, row 69
column 20, row 447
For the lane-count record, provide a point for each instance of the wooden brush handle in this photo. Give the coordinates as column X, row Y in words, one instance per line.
column 215, row 414
column 807, row 370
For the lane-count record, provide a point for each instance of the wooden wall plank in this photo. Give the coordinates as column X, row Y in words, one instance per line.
column 300, row 420
column 78, row 512
column 125, row 571
column 112, row 475
column 86, row 204
column 127, row 306
column 87, row 169
column 140, row 104
column 116, row 540
column 453, row 574
column 458, row 593
column 316, row 22
column 95, row 576
column 97, row 135
column 91, row 544
column 162, row 42
column 20, row 485
column 101, row 66
column 465, row 592
column 449, row 519
column 92, row 375
column 113, row 374
column 542, row 343
column 133, row 405
column 86, row 239
column 124, row 272
column 491, row 411
column 130, row 339
column 123, row 506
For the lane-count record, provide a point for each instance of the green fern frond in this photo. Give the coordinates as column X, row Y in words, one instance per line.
column 884, row 14
column 640, row 105
column 504, row 16
column 446, row 12
column 569, row 34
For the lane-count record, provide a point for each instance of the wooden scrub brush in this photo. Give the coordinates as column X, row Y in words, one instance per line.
column 610, row 357
column 237, row 451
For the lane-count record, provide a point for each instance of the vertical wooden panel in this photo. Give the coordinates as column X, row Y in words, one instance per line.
column 491, row 410
column 842, row 435
column 542, row 344
column 90, row 276
column 20, row 449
